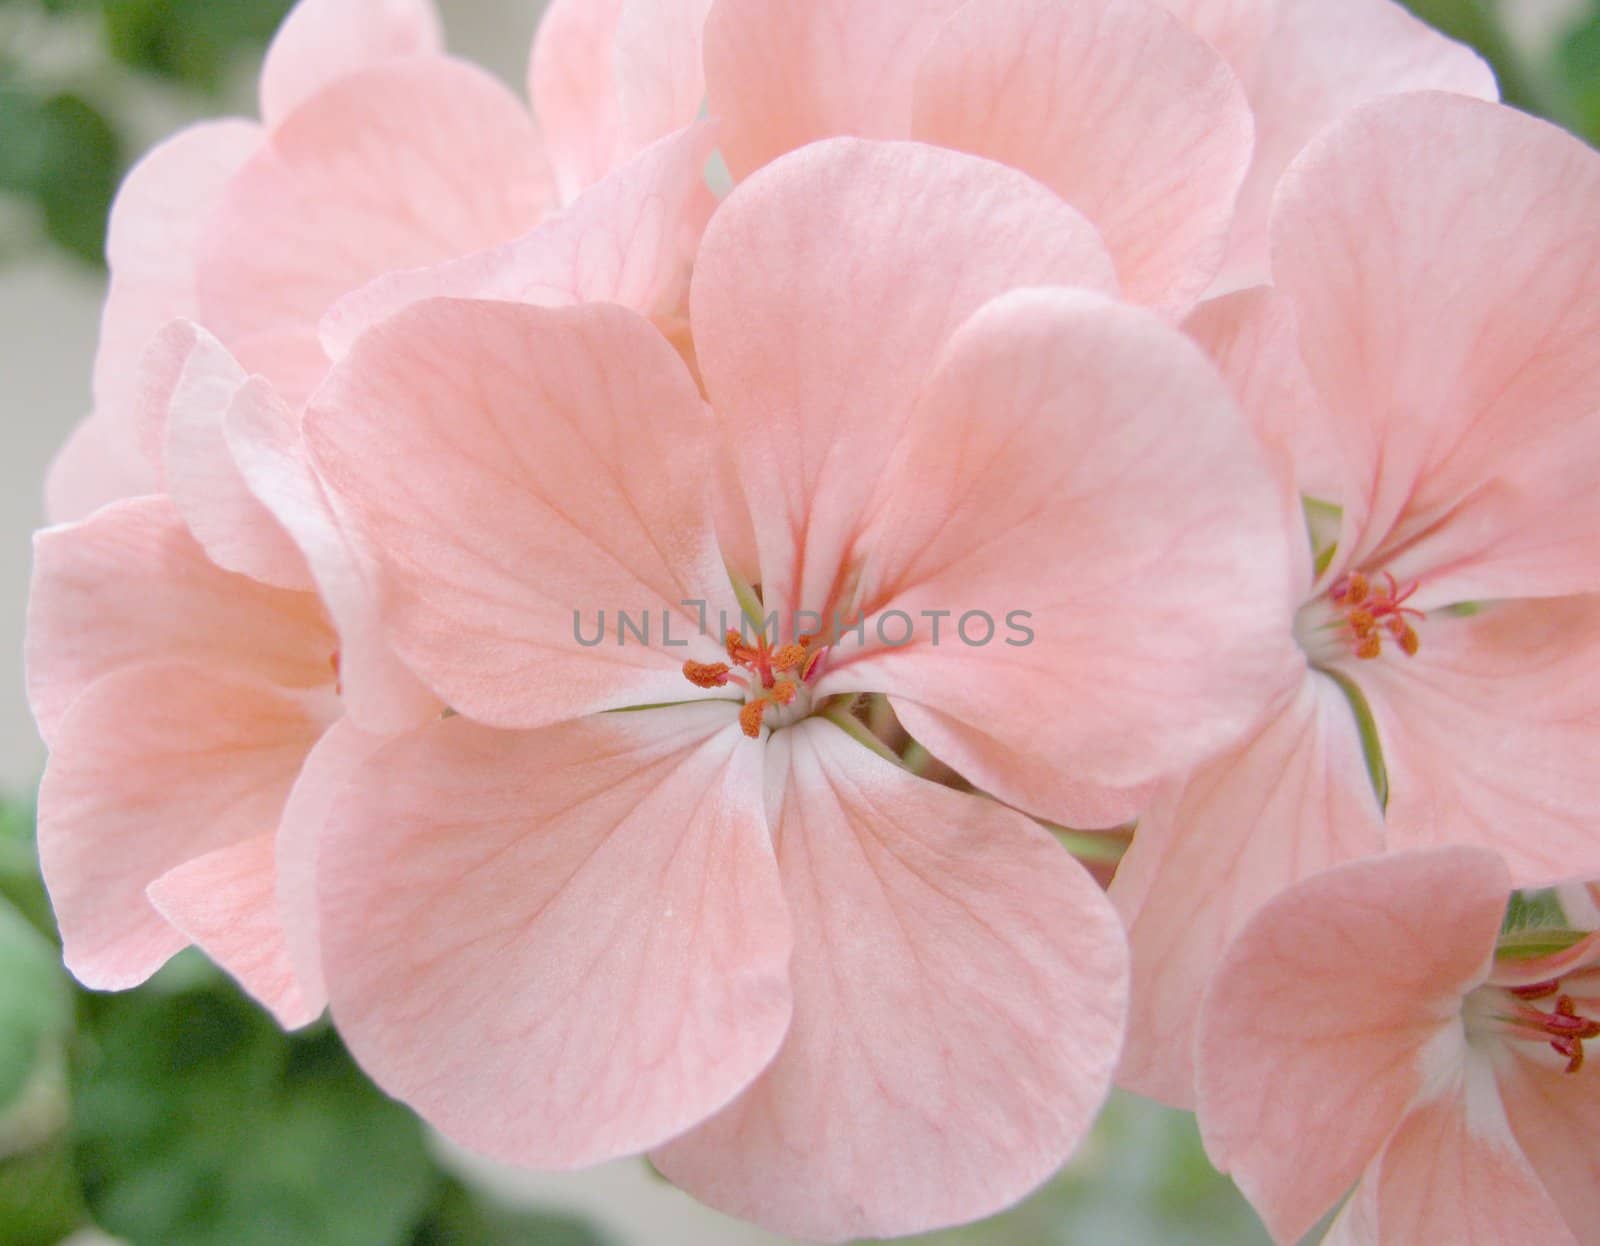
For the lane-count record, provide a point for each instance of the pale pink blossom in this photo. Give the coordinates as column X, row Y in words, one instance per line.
column 653, row 895
column 376, row 152
column 1427, row 373
column 182, row 665
column 1364, row 1027
column 1168, row 125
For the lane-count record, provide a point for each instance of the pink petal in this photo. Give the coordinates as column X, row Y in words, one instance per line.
column 1451, row 384
column 153, row 245
column 303, row 828
column 1319, row 63
column 1553, row 1114
column 101, row 462
column 409, row 163
column 780, row 75
column 237, row 532
column 1029, row 780
column 130, row 585
column 518, row 471
column 817, row 316
column 151, row 248
column 630, row 239
column 609, row 77
column 1253, row 338
column 1159, row 634
column 1289, row 801
column 1454, row 1173
column 1239, row 29
column 1126, row 115
column 959, row 990
column 324, row 40
column 377, row 689
column 1357, row 1221
column 225, row 902
column 1536, row 970
column 559, row 946
column 1490, row 735
column 1340, row 997
column 153, row 766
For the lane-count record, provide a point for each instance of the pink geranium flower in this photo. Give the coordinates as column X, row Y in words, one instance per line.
column 182, row 665
column 654, row 895
column 205, row 633
column 1364, row 1025
column 1429, row 375
column 375, row 152
column 1139, row 113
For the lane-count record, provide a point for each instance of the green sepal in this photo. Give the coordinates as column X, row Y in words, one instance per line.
column 1367, row 727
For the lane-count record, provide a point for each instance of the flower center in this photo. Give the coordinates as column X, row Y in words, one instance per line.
column 776, row 680
column 1560, row 1013
column 1357, row 615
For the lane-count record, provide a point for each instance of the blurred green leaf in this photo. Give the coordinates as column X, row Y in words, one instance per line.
column 1578, row 62
column 199, row 1123
column 19, row 867
column 39, row 1199
column 461, row 1219
column 189, row 41
column 1475, row 22
column 35, row 1002
column 60, row 152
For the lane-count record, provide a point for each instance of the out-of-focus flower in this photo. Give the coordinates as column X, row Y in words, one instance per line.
column 1430, row 368
column 376, row 152
column 181, row 666
column 1364, row 1026
column 1124, row 111
column 589, row 912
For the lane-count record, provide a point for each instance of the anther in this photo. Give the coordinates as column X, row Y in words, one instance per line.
column 706, row 674
column 789, row 658
column 1353, row 591
column 751, row 715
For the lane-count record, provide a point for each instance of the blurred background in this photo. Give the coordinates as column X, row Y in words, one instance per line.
column 177, row 1114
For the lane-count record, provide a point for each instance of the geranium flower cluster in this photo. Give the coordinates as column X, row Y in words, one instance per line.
column 498, row 595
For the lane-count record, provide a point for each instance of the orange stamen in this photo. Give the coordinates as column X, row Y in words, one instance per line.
column 706, row 674
column 789, row 658
column 1353, row 591
column 1372, row 610
column 751, row 715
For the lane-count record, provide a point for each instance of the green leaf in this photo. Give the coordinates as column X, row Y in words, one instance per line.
column 35, row 1002
column 199, row 1123
column 1578, row 63
column 189, row 41
column 61, row 153
column 39, row 1199
column 19, row 868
